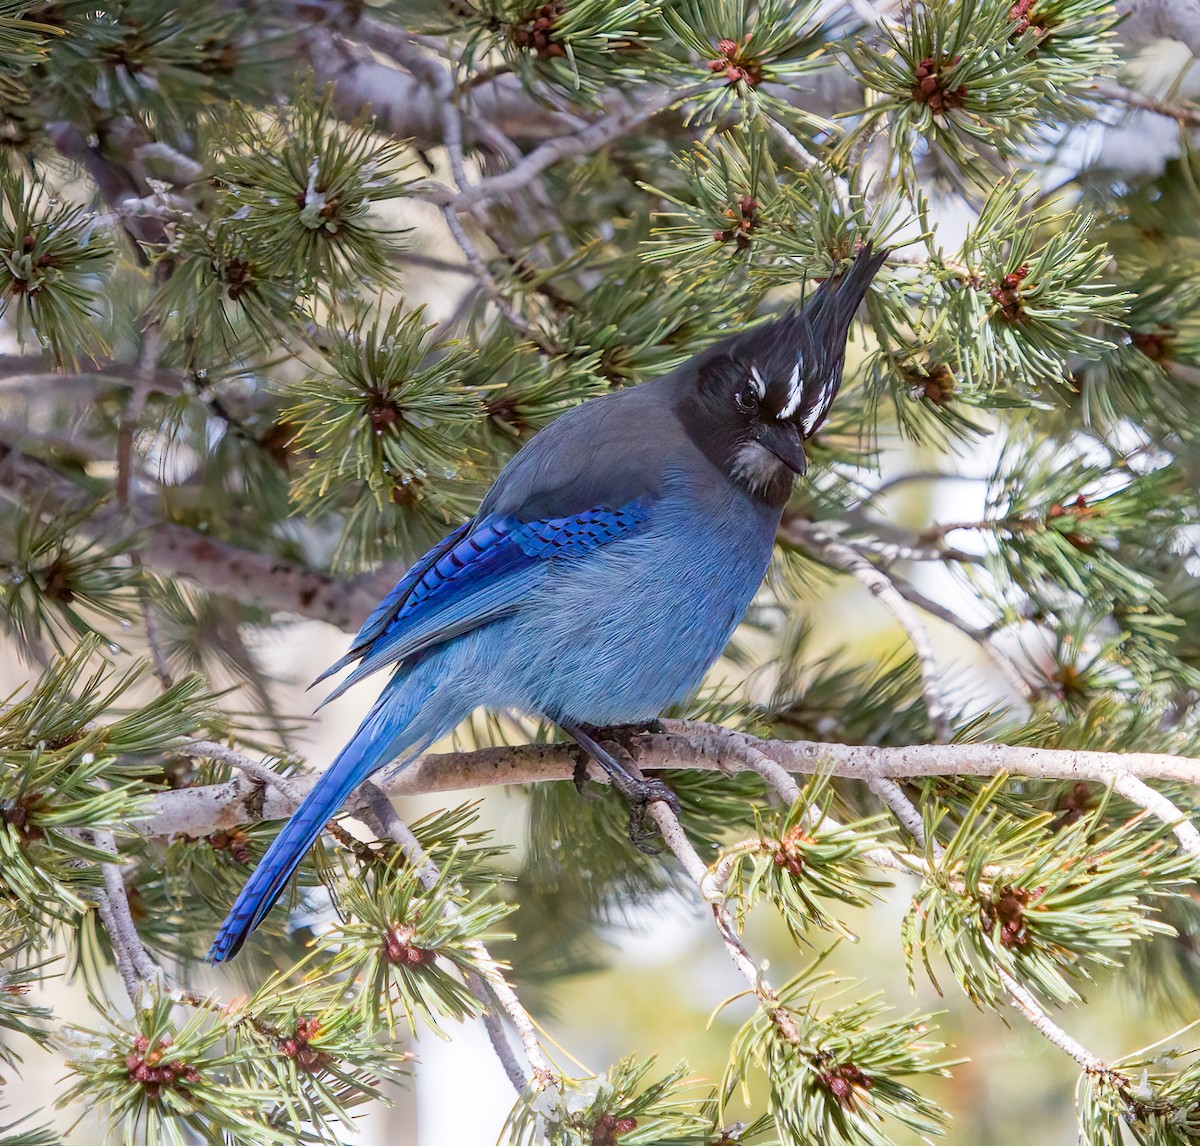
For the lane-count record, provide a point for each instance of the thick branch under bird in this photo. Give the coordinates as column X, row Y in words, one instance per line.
column 605, row 571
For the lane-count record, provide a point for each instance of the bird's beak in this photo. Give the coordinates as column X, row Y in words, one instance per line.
column 783, row 440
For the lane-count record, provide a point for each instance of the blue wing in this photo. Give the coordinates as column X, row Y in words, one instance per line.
column 481, row 572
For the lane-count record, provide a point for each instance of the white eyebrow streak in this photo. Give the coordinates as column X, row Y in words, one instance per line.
column 818, row 409
column 795, row 390
column 758, row 382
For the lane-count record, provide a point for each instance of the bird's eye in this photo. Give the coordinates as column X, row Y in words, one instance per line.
column 747, row 398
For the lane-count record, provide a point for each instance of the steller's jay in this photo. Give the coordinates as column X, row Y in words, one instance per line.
column 605, row 571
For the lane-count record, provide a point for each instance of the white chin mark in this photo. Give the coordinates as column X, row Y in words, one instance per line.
column 755, row 467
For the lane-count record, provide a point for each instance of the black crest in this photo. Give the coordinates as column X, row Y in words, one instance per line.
column 796, row 361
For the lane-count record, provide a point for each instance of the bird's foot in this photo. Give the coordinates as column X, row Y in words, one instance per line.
column 640, row 794
column 624, row 732
column 637, row 790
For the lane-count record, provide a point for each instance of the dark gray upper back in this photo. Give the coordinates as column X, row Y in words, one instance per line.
column 603, row 453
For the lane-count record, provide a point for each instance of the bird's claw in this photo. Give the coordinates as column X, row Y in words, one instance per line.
column 639, row 792
column 580, row 777
column 642, row 828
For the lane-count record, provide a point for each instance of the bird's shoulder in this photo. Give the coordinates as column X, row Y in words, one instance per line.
column 609, row 452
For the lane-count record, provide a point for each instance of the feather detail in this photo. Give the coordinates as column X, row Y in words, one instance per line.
column 755, row 468
column 475, row 577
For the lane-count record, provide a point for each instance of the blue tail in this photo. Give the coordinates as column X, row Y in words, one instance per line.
column 395, row 725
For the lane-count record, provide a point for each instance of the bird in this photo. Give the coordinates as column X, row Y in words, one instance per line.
column 605, row 571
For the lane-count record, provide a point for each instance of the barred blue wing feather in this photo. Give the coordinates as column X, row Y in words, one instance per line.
column 385, row 612
column 476, row 576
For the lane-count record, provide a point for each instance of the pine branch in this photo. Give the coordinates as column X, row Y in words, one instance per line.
column 590, row 139
column 261, row 579
column 489, row 285
column 1182, row 113
column 983, row 636
column 681, row 847
column 1022, row 999
column 497, row 1036
column 154, row 637
column 1032, row 1010
column 388, row 824
column 402, row 105
column 903, row 809
column 1137, row 791
column 742, row 748
column 138, row 970
column 176, row 551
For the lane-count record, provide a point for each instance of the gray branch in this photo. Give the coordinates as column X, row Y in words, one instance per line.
column 243, row 800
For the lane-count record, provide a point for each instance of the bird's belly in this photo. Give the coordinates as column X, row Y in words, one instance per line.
column 629, row 630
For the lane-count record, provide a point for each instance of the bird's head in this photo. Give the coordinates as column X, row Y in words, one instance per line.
column 756, row 397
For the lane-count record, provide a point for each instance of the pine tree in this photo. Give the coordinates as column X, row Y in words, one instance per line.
column 284, row 285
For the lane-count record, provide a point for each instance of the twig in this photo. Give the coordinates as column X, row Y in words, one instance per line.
column 159, row 206
column 125, row 965
column 1181, row 113
column 416, row 259
column 223, row 754
column 846, row 558
column 180, row 168
column 922, row 476
column 1139, row 792
column 403, row 48
column 906, row 812
column 175, row 550
column 489, row 285
column 496, row 1033
column 984, row 637
column 712, row 882
column 744, row 748
column 806, row 159
column 593, row 137
column 406, row 108
column 911, row 259
column 137, row 969
column 135, row 405
column 903, row 809
column 522, row 267
column 1024, row 1001
column 389, row 824
column 681, row 847
column 914, row 596
column 984, row 525
column 158, row 658
column 899, row 551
